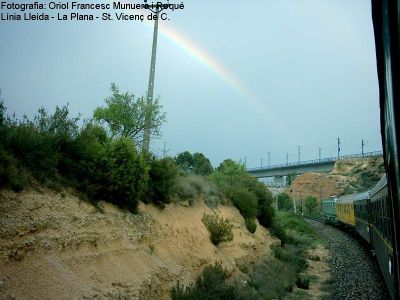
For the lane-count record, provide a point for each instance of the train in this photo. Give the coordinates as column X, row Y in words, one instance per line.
column 386, row 24
column 369, row 214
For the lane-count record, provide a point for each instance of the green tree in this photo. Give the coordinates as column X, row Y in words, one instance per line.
column 228, row 176
column 265, row 210
column 284, row 202
column 126, row 116
column 163, row 181
column 246, row 202
column 310, row 203
column 201, row 164
column 126, row 180
column 185, row 161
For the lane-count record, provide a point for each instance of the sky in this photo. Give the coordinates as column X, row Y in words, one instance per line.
column 237, row 79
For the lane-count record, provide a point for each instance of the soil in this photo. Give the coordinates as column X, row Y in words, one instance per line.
column 348, row 176
column 54, row 246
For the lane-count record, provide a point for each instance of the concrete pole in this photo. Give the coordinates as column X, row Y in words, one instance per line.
column 150, row 89
column 298, row 150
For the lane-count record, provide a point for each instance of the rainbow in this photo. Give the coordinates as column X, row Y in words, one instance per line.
column 170, row 34
column 206, row 60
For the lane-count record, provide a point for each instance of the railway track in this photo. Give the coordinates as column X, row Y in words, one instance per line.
column 355, row 273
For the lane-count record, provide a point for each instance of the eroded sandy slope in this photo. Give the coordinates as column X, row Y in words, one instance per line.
column 53, row 246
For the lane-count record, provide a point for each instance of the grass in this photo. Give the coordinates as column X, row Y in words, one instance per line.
column 276, row 277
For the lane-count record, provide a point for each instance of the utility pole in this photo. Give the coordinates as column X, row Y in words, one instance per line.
column 269, row 159
column 294, row 205
column 287, row 158
column 165, row 150
column 245, row 161
column 261, row 162
column 338, row 147
column 319, row 153
column 298, row 154
column 362, row 147
column 150, row 89
column 301, row 202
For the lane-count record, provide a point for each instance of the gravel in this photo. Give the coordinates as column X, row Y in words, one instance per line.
column 354, row 270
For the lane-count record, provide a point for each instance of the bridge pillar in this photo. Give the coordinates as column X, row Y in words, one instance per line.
column 279, row 180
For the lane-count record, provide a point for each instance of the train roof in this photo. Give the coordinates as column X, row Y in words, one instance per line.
column 361, row 196
column 331, row 199
column 381, row 183
column 346, row 199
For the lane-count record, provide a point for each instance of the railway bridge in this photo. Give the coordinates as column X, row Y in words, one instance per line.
column 325, row 165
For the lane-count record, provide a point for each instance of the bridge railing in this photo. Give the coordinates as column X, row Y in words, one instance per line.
column 315, row 161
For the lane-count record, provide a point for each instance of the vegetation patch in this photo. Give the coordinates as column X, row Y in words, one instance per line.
column 192, row 187
column 220, row 228
column 275, row 277
column 211, row 284
column 251, row 197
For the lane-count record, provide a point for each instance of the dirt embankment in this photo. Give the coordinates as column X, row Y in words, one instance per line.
column 348, row 176
column 53, row 246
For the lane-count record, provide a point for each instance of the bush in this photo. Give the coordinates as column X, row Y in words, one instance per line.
column 303, row 282
column 278, row 231
column 219, row 228
column 163, row 181
column 246, row 202
column 211, row 284
column 265, row 215
column 250, row 225
column 311, row 203
column 292, row 255
column 186, row 189
column 191, row 186
column 284, row 202
column 125, row 179
column 265, row 210
column 269, row 279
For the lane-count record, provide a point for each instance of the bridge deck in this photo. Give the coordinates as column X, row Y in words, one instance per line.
column 316, row 165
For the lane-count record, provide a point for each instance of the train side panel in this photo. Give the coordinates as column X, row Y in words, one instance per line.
column 329, row 210
column 382, row 233
column 362, row 213
column 345, row 210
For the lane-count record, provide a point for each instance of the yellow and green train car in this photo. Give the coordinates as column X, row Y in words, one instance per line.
column 345, row 210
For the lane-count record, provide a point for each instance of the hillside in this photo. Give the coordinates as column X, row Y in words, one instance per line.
column 348, row 176
column 53, row 246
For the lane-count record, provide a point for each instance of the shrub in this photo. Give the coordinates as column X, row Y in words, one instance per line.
column 269, row 279
column 284, row 202
column 126, row 178
column 163, row 181
column 278, row 231
column 303, row 282
column 186, row 190
column 265, row 215
column 291, row 254
column 314, row 257
column 311, row 203
column 211, row 284
column 246, row 202
column 250, row 225
column 191, row 186
column 19, row 181
column 219, row 228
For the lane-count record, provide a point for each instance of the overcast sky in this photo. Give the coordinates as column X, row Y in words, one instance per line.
column 237, row 79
